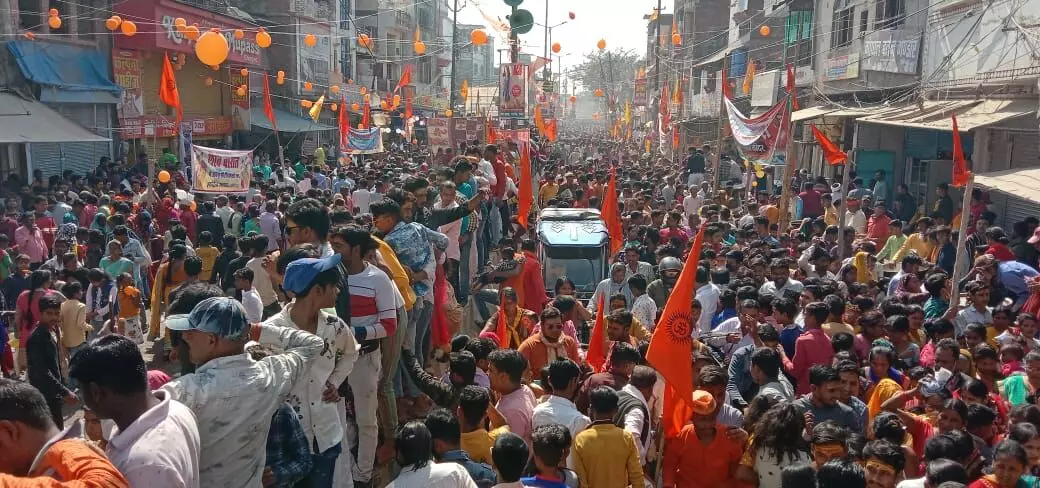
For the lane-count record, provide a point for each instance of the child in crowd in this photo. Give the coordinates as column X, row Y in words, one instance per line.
column 250, row 298
column 551, row 445
column 208, row 252
column 128, row 309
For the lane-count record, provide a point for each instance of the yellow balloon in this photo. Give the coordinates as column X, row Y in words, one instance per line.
column 212, row 48
column 164, row 176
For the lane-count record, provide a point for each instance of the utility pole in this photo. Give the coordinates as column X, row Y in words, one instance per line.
column 657, row 48
column 454, row 48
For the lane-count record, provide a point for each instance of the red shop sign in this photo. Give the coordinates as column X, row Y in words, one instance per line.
column 243, row 51
column 162, row 127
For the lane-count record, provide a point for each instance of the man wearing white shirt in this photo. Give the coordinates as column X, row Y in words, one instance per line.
column 634, row 408
column 781, row 280
column 643, row 307
column 250, row 298
column 855, row 218
column 564, row 378
column 362, row 197
column 737, row 329
column 157, row 441
column 692, row 202
column 708, row 296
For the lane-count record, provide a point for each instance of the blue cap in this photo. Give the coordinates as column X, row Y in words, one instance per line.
column 222, row 316
column 300, row 273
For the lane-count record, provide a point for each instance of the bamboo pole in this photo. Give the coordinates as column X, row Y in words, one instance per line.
column 962, row 237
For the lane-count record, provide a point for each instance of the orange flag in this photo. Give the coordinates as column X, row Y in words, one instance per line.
column 675, row 137
column 406, row 78
column 489, row 131
column 611, row 215
column 168, row 90
column 525, row 197
column 671, row 346
column 268, row 108
column 344, row 120
column 961, row 175
column 551, row 130
column 831, row 152
column 597, row 354
column 790, row 86
column 725, row 85
column 366, row 116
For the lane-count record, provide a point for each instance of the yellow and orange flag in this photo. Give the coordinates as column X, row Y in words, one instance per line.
column 525, row 190
column 597, row 354
column 611, row 215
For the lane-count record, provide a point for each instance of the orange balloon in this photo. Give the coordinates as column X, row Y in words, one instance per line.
column 308, row 86
column 241, row 91
column 364, row 40
column 244, row 72
column 129, row 28
column 263, row 39
column 192, row 33
column 334, row 89
column 574, row 99
column 556, row 47
column 209, row 81
column 306, row 103
column 333, row 107
column 164, row 176
column 310, row 40
column 53, row 12
column 764, row 30
column 602, row 44
column 180, row 22
column 113, row 22
column 355, row 107
column 448, row 113
column 420, row 47
column 598, row 92
column 281, row 74
column 478, row 37
column 54, row 22
column 212, row 48
column 676, row 39
column 239, row 34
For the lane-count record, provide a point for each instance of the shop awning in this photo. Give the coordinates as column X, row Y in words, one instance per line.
column 1023, row 183
column 936, row 115
column 67, row 73
column 829, row 111
column 29, row 121
column 713, row 58
column 287, row 122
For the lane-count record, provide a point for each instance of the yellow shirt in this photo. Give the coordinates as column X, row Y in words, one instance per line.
column 830, row 215
column 319, row 156
column 548, row 192
column 73, row 315
column 208, row 254
column 398, row 275
column 477, row 444
column 834, row 328
column 605, row 456
column 918, row 244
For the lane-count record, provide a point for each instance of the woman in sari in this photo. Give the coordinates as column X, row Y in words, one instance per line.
column 909, row 289
column 170, row 274
column 885, row 381
column 511, row 324
column 115, row 264
column 27, row 310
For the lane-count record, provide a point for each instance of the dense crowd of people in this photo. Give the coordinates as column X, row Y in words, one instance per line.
column 386, row 322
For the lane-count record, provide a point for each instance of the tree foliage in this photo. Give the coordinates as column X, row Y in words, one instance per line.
column 614, row 71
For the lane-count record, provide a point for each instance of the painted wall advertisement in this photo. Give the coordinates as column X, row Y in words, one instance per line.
column 892, row 51
column 842, row 67
column 220, row 170
column 512, row 87
column 313, row 64
column 126, row 68
column 239, row 104
column 438, row 133
column 639, row 93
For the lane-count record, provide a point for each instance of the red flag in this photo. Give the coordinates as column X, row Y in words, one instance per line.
column 268, row 108
column 611, row 215
column 725, row 85
column 831, row 152
column 525, row 190
column 791, row 88
column 406, row 78
column 666, row 107
column 597, row 354
column 168, row 90
column 671, row 346
column 366, row 116
column 344, row 121
column 961, row 175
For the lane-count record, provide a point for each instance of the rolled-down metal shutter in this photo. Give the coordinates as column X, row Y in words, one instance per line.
column 1016, row 209
column 79, row 157
column 1025, row 150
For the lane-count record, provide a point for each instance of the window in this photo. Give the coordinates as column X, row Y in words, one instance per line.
column 29, row 14
column 843, row 18
column 863, row 22
column 889, row 14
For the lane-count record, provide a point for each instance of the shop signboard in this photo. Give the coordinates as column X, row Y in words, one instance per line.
column 891, row 51
column 513, row 99
column 313, row 64
column 126, row 70
column 163, row 127
column 842, row 67
column 240, row 119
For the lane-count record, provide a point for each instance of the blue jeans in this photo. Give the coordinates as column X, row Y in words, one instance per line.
column 465, row 274
column 418, row 339
column 323, row 468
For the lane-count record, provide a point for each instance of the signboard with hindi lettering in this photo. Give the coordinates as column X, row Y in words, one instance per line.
column 891, row 51
column 220, row 170
column 513, row 92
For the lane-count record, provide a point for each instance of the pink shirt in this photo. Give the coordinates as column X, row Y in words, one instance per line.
column 518, row 409
column 31, row 243
column 811, row 348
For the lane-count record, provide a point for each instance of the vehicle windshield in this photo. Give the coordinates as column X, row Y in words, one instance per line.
column 583, row 265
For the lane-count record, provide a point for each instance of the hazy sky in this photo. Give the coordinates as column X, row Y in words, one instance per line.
column 619, row 22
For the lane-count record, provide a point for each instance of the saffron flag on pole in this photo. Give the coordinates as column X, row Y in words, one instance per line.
column 168, row 92
column 831, row 152
column 961, row 175
column 790, row 86
column 366, row 116
column 268, row 108
column 597, row 353
column 525, row 190
column 406, row 78
column 725, row 85
column 344, row 121
column 671, row 346
column 611, row 215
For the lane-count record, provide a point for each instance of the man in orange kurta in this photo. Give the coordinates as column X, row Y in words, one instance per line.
column 702, row 455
